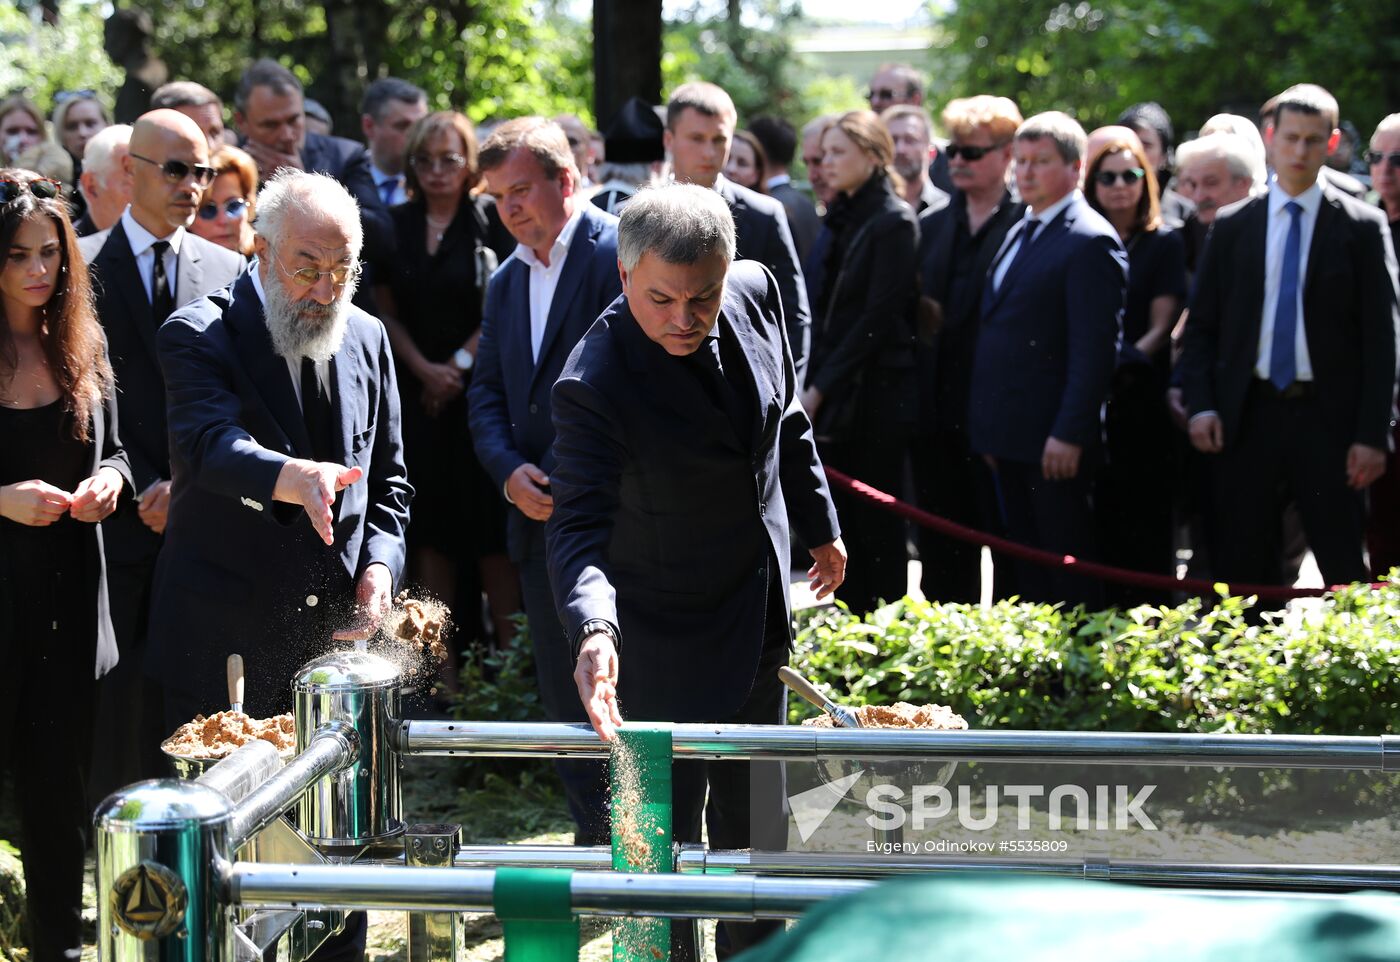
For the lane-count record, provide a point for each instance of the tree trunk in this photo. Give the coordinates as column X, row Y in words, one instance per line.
column 626, row 55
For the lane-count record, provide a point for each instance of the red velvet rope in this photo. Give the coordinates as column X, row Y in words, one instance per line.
column 1142, row 579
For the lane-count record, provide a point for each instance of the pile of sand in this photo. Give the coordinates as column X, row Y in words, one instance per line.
column 222, row 733
column 899, row 715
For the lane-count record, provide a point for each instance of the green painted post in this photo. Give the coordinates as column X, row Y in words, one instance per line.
column 534, row 908
column 640, row 772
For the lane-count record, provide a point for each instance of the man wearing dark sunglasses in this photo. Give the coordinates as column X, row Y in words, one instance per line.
column 1383, row 527
column 144, row 267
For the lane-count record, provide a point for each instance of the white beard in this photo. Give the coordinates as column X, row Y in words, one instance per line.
column 305, row 328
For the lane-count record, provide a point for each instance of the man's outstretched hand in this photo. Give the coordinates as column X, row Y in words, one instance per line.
column 829, row 569
column 314, row 485
column 373, row 597
column 596, row 678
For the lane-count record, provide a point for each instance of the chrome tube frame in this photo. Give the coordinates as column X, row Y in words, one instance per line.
column 333, row 748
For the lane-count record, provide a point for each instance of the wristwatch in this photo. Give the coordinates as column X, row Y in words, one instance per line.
column 596, row 627
column 462, row 360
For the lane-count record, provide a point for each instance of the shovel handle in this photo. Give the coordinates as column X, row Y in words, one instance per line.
column 803, row 687
column 235, row 682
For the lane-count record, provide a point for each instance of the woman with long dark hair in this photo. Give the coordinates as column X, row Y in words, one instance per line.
column 62, row 470
column 860, row 380
column 431, row 295
column 1133, row 494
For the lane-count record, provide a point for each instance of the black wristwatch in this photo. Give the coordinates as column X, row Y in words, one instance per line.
column 596, row 627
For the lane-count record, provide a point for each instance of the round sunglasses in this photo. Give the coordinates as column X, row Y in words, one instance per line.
column 233, row 207
column 1131, row 176
column 43, row 188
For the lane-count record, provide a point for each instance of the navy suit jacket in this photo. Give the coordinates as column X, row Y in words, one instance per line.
column 509, row 393
column 763, row 235
column 1048, row 339
column 125, row 313
column 1349, row 316
column 235, row 571
column 666, row 523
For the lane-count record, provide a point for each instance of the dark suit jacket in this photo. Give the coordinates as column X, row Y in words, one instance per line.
column 234, row 574
column 1048, row 340
column 802, row 217
column 509, row 393
column 666, row 523
column 1349, row 316
column 125, row 313
column 764, row 236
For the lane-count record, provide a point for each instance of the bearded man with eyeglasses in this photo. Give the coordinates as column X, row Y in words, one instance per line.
column 289, row 497
column 145, row 266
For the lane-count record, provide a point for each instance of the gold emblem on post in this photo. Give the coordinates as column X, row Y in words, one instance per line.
column 148, row 901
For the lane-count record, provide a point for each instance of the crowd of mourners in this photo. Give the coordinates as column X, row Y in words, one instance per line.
column 1115, row 344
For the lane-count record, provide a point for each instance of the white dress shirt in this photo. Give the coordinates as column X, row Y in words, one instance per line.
column 141, row 240
column 545, row 280
column 1274, row 242
column 779, row 181
column 399, row 195
column 1046, row 217
column 293, row 363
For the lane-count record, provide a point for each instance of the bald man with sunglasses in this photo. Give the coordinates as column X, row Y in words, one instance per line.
column 144, row 267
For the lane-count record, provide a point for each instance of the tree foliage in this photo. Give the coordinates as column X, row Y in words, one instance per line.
column 39, row 61
column 1195, row 57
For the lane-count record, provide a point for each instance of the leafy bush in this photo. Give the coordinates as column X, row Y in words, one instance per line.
column 1334, row 669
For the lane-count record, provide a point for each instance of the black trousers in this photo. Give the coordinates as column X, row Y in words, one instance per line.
column 585, row 780
column 47, row 742
column 745, row 803
column 1055, row 516
column 1286, row 449
column 877, row 563
column 953, row 482
column 129, row 723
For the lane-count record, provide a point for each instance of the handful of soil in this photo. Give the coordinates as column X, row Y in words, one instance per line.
column 899, row 715
column 224, row 732
column 418, row 627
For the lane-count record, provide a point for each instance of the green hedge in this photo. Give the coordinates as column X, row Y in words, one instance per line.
column 1333, row 668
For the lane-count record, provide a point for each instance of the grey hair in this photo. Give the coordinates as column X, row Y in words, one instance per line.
column 1232, row 148
column 296, row 194
column 97, row 155
column 679, row 223
column 185, row 93
column 265, row 73
column 1070, row 139
column 1388, row 124
column 1245, row 128
column 638, row 175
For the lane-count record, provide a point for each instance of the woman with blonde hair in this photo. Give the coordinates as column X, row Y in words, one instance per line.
column 861, row 391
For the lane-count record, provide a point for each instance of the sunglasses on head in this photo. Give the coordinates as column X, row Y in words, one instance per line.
column 41, row 187
column 1131, row 176
column 1392, row 159
column 968, row 152
column 177, row 170
column 63, row 96
column 233, row 207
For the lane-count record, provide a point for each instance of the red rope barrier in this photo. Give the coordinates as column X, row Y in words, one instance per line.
column 1141, row 579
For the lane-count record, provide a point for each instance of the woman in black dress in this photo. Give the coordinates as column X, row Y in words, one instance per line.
column 430, row 293
column 61, row 472
column 1133, row 496
column 861, row 392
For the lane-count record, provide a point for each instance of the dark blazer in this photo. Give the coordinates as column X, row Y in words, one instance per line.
column 234, row 573
column 863, row 339
column 125, row 313
column 946, row 364
column 764, row 236
column 1048, row 339
column 666, row 523
column 801, row 215
column 509, row 392
column 105, row 444
column 1349, row 316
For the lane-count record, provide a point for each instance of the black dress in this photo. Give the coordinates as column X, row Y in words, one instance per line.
column 50, row 578
column 1134, row 493
column 456, row 508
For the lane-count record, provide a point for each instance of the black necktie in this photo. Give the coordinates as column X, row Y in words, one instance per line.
column 162, row 297
column 316, row 410
column 720, row 389
column 1027, row 238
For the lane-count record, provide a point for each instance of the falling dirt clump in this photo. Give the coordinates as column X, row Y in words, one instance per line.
column 900, row 715
column 421, row 625
column 222, row 733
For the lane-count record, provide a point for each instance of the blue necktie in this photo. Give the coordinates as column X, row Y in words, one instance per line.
column 387, row 188
column 1027, row 238
column 1283, row 359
